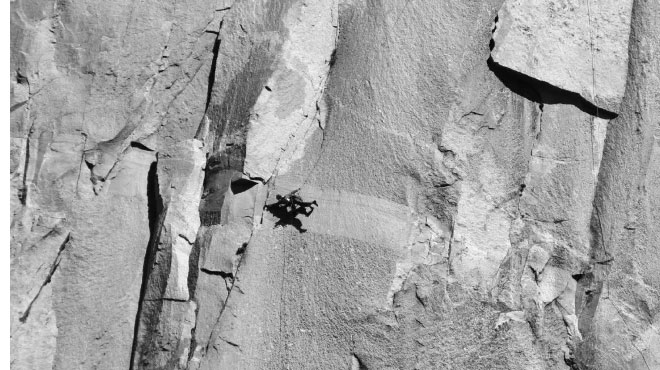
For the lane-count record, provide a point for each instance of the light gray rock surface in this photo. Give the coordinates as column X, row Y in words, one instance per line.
column 480, row 204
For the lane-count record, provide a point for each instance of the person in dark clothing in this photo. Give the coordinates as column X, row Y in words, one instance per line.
column 294, row 203
column 288, row 207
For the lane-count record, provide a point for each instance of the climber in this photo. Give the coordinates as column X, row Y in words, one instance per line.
column 294, row 204
column 288, row 207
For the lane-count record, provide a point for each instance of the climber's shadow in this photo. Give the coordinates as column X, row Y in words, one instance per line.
column 286, row 217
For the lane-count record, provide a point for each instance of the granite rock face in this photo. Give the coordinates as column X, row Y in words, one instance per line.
column 487, row 177
column 578, row 46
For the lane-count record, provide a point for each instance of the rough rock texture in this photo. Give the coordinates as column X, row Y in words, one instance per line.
column 487, row 177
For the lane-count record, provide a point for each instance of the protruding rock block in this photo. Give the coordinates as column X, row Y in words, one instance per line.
column 185, row 176
column 579, row 46
column 285, row 110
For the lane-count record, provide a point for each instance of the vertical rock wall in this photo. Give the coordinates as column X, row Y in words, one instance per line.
column 485, row 173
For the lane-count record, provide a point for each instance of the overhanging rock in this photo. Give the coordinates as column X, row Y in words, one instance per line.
column 579, row 46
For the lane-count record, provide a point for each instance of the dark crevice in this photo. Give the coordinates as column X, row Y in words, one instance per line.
column 23, row 191
column 53, row 267
column 17, row 105
column 186, row 239
column 241, row 185
column 361, row 365
column 193, row 275
column 333, row 57
column 154, row 201
column 544, row 93
column 21, row 78
column 193, row 337
column 230, row 289
column 193, row 262
column 82, row 160
column 241, row 249
column 222, row 274
column 450, row 270
column 227, row 120
column 211, row 80
column 139, row 145
column 164, row 299
column 230, row 343
column 491, row 44
column 156, row 217
column 259, row 179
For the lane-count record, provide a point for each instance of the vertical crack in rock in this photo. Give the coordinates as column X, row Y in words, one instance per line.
column 215, row 332
column 227, row 134
column 193, row 276
column 156, row 213
column 629, row 329
column 82, row 160
column 547, row 284
column 214, row 63
column 538, row 128
column 256, row 124
column 166, row 318
column 450, row 270
column 53, row 267
column 23, row 191
column 617, row 335
column 506, row 237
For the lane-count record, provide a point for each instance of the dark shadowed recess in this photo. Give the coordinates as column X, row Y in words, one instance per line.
column 156, row 214
column 211, row 79
column 240, row 185
column 228, row 127
column 542, row 92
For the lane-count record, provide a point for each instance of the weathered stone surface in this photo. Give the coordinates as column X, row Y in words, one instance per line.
column 579, row 46
column 620, row 299
column 474, row 208
column 288, row 104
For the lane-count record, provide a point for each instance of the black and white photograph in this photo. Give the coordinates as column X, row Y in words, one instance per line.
column 333, row 185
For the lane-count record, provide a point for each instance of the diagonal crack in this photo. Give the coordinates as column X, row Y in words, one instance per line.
column 230, row 289
column 53, row 267
column 632, row 342
column 531, row 155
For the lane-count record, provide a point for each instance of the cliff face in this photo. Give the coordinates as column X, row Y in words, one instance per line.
column 487, row 177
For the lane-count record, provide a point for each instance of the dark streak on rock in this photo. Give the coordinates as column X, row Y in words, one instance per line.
column 139, row 145
column 17, row 105
column 53, row 267
column 542, row 92
column 156, row 213
column 211, row 80
column 222, row 274
column 361, row 365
